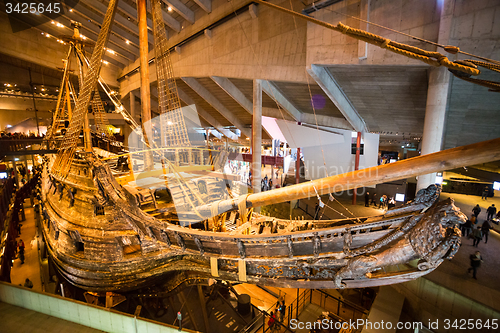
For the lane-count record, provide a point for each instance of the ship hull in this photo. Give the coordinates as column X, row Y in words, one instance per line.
column 100, row 240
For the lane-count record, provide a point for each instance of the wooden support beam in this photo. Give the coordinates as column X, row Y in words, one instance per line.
column 242, row 271
column 214, row 267
column 203, row 308
column 187, row 305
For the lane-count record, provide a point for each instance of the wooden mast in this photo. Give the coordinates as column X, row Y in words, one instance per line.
column 472, row 154
column 145, row 90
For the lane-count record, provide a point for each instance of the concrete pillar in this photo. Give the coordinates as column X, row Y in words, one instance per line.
column 256, row 135
column 145, row 89
column 435, row 116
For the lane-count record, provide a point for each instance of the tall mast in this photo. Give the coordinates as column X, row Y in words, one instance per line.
column 145, row 90
column 65, row 156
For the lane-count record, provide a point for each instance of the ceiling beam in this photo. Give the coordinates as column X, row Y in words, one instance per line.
column 88, row 14
column 273, row 92
column 217, row 105
column 181, row 9
column 205, row 115
column 233, row 91
column 332, row 89
column 206, row 5
column 119, row 20
column 92, row 35
column 167, row 19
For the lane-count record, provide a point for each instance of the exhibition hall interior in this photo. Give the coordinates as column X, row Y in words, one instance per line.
column 250, row 166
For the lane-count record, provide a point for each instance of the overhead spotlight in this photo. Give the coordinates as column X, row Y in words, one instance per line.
column 111, row 51
column 83, row 37
column 71, row 10
column 47, row 35
column 52, row 22
column 105, row 62
column 127, row 42
column 169, row 8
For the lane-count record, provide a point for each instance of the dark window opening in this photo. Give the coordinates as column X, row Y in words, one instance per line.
column 99, row 210
column 361, row 148
column 79, row 246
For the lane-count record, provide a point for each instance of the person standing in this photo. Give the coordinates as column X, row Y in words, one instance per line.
column 271, row 321
column 485, row 193
column 485, row 229
column 367, row 199
column 476, row 210
column 477, row 235
column 374, row 200
column 475, row 263
column 282, row 309
column 28, row 283
column 490, row 212
column 467, row 227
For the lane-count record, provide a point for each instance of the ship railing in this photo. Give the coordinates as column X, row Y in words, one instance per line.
column 35, row 145
column 339, row 310
column 275, row 245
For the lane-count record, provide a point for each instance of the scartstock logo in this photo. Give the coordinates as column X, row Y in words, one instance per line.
column 27, row 14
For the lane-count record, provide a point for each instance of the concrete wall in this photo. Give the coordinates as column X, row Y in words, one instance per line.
column 77, row 312
column 270, row 47
column 416, row 17
column 427, row 301
column 472, row 114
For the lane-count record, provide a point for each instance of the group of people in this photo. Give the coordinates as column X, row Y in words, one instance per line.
column 471, row 228
column 266, row 184
column 384, row 202
column 277, row 315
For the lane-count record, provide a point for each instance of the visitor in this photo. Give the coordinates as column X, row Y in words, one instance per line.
column 491, row 211
column 476, row 210
column 485, row 193
column 316, row 211
column 374, row 200
column 466, row 227
column 477, row 235
column 271, row 321
column 367, row 199
column 392, row 203
column 475, row 263
column 485, row 229
column 28, row 283
column 282, row 310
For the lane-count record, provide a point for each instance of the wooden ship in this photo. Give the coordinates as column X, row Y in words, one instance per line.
column 101, row 240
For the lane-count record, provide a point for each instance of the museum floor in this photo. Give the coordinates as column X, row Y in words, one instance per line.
column 451, row 274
